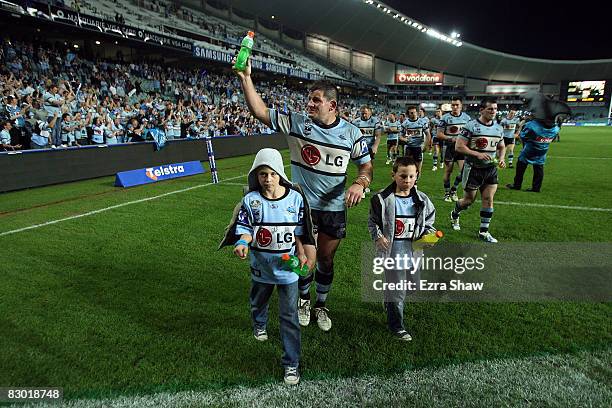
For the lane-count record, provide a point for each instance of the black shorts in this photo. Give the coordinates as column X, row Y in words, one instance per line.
column 332, row 223
column 474, row 178
column 436, row 141
column 391, row 143
column 451, row 155
column 415, row 152
column 508, row 141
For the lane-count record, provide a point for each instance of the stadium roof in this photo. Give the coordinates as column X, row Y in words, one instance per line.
column 364, row 27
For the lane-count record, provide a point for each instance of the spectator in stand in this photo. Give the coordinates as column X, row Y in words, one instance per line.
column 5, row 137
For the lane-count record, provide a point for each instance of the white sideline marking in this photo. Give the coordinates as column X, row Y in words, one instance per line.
column 563, row 207
column 578, row 157
column 101, row 210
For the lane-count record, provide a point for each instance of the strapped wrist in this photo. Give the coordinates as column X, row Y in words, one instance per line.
column 241, row 242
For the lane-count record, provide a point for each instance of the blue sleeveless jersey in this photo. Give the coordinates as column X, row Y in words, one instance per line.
column 320, row 155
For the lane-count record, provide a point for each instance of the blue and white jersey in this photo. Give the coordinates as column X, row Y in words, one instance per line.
column 14, row 110
column 434, row 124
column 415, row 131
column 368, row 128
column 405, row 220
column 273, row 224
column 392, row 129
column 509, row 126
column 320, row 155
column 98, row 133
column 48, row 99
column 536, row 140
column 451, row 125
column 482, row 138
column 41, row 138
column 67, row 134
column 5, row 137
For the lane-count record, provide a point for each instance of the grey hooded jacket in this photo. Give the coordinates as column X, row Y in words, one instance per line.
column 382, row 215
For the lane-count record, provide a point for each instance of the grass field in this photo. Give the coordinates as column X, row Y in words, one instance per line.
column 136, row 299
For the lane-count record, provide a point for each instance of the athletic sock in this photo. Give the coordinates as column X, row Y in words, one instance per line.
column 485, row 218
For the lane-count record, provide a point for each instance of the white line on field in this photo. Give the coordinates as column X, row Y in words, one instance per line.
column 112, row 207
column 563, row 207
column 581, row 158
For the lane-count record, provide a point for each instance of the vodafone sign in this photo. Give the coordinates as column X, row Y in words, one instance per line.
column 416, row 78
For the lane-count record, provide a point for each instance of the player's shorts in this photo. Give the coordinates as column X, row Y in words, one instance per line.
column 476, row 177
column 508, row 140
column 332, row 223
column 450, row 155
column 415, row 152
column 391, row 143
column 435, row 141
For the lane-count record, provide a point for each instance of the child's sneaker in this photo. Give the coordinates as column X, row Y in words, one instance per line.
column 260, row 335
column 455, row 222
column 403, row 335
column 292, row 375
column 304, row 312
column 323, row 319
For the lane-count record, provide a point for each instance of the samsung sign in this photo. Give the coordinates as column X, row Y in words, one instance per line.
column 418, row 78
column 157, row 173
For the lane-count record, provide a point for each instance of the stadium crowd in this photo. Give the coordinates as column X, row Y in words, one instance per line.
column 52, row 97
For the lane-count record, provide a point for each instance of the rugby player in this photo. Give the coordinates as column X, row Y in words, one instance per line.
column 321, row 144
column 481, row 141
column 450, row 127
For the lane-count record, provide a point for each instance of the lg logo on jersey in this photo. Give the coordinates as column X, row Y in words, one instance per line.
column 312, row 156
column 264, row 238
column 483, row 143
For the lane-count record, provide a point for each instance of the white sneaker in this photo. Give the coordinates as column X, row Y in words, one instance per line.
column 455, row 223
column 260, row 335
column 441, row 165
column 434, row 168
column 292, row 375
column 486, row 237
column 447, row 198
column 323, row 319
column 454, row 197
column 388, row 161
column 304, row 312
column 403, row 335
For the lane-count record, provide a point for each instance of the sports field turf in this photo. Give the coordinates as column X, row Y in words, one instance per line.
column 136, row 299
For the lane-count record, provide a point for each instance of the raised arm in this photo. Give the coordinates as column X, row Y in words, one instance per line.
column 256, row 105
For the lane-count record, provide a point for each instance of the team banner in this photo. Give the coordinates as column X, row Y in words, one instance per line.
column 419, row 78
column 157, row 173
column 201, row 52
column 66, row 16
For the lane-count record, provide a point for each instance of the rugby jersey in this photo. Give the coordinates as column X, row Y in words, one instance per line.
column 368, row 128
column 482, row 138
column 509, row 126
column 451, row 125
column 320, row 155
column 415, row 130
column 273, row 224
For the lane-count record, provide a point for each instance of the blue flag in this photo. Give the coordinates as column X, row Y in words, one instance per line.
column 159, row 137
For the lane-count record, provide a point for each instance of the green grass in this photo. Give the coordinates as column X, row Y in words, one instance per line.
column 138, row 300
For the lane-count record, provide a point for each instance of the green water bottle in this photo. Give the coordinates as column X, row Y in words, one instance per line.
column 245, row 52
column 292, row 263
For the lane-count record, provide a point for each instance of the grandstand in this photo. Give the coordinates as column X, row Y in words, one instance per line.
column 119, row 295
